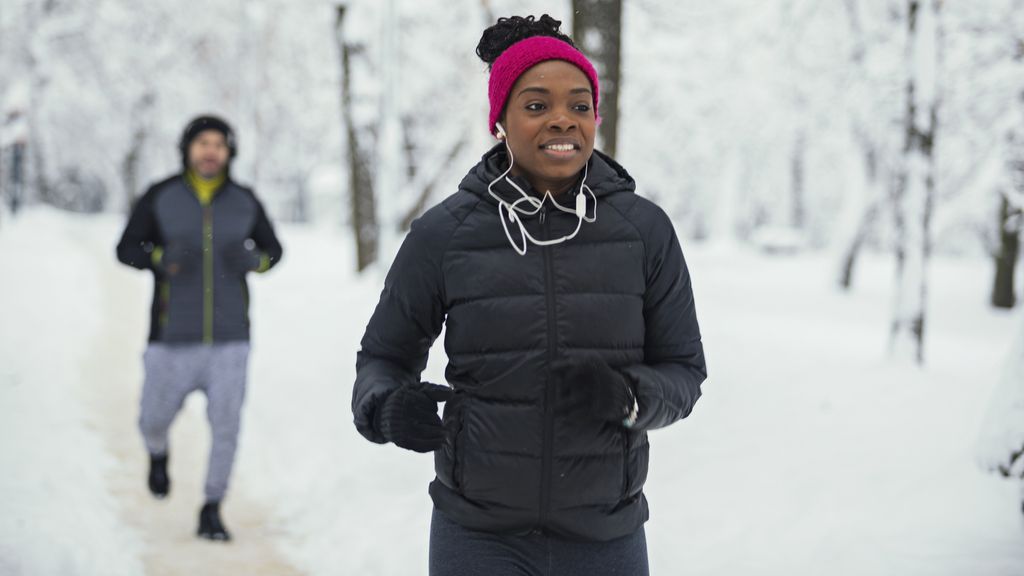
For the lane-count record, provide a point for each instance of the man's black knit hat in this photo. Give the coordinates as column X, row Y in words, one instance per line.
column 203, row 123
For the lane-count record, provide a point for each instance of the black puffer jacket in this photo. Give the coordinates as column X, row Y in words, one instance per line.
column 514, row 460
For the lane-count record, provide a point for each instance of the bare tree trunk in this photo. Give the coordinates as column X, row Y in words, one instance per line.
column 869, row 215
column 1011, row 213
column 797, row 180
column 428, row 188
column 869, row 210
column 489, row 19
column 849, row 262
column 4, row 181
column 364, row 212
column 300, row 208
column 914, row 195
column 43, row 191
column 130, row 168
column 1003, row 295
column 35, row 160
column 130, row 163
column 17, row 177
column 597, row 29
column 409, row 149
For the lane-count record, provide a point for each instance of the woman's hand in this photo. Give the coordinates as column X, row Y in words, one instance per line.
column 408, row 416
column 600, row 390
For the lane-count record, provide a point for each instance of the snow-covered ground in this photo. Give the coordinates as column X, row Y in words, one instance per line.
column 811, row 451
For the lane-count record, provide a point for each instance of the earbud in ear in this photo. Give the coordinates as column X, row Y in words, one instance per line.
column 501, row 130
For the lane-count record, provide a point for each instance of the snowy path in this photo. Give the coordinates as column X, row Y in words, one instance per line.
column 167, row 527
column 57, row 512
column 97, row 336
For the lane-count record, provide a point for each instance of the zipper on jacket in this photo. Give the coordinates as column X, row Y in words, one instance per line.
column 208, row 274
column 549, row 416
column 245, row 300
column 165, row 302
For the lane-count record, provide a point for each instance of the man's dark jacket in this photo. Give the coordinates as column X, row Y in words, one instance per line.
column 208, row 300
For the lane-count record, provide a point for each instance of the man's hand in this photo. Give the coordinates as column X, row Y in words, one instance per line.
column 174, row 260
column 239, row 259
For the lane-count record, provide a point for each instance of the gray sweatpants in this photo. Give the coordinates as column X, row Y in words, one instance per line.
column 173, row 371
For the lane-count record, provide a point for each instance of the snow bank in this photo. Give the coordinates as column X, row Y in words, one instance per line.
column 57, row 516
column 1002, row 432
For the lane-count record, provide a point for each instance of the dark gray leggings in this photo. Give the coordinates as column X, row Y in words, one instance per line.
column 458, row 551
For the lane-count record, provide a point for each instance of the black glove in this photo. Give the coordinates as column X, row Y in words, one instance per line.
column 591, row 385
column 408, row 416
column 239, row 259
column 175, row 260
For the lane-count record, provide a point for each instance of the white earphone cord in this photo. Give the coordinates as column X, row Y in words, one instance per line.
column 513, row 210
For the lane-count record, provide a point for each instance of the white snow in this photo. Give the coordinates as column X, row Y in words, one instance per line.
column 57, row 513
column 1003, row 430
column 810, row 453
column 778, row 239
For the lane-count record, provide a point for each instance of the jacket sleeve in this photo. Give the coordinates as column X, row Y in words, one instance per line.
column 407, row 320
column 668, row 382
column 141, row 235
column 266, row 240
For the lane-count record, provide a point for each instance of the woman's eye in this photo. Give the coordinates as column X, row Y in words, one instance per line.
column 582, row 107
column 534, row 106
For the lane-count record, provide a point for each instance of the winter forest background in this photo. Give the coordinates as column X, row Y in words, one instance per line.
column 847, row 179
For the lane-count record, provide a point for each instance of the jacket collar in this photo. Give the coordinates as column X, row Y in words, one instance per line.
column 605, row 176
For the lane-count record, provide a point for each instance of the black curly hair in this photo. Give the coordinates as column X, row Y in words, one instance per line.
column 508, row 31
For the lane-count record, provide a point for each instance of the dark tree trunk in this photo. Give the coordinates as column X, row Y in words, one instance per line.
column 363, row 202
column 867, row 220
column 16, row 178
column 597, row 31
column 1003, row 294
column 44, row 192
column 132, row 159
column 853, row 250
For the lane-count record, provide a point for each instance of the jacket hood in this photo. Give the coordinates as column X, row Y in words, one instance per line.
column 604, row 177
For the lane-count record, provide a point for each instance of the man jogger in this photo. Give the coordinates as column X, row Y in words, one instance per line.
column 200, row 233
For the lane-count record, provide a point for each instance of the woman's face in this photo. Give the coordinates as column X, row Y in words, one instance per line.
column 549, row 125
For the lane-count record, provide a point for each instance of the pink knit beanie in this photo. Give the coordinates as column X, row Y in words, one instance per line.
column 523, row 55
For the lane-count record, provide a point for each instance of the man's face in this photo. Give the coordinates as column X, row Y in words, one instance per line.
column 208, row 153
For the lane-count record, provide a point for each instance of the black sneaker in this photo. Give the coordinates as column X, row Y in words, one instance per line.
column 210, row 526
column 159, row 482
